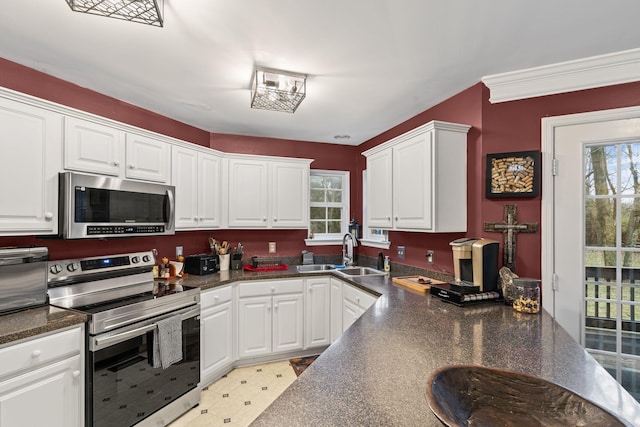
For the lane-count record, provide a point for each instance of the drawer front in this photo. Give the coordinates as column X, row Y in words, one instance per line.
column 216, row 296
column 270, row 287
column 39, row 351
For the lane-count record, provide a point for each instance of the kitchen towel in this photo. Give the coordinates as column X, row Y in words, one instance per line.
column 167, row 342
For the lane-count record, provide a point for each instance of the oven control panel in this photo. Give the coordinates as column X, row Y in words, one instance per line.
column 75, row 268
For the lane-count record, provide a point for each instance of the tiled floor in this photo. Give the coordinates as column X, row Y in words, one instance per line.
column 239, row 397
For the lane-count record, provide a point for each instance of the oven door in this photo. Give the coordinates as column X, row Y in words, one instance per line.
column 123, row 386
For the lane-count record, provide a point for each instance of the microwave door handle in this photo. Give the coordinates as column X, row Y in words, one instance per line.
column 172, row 210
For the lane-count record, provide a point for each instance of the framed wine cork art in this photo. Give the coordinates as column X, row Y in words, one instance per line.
column 513, row 174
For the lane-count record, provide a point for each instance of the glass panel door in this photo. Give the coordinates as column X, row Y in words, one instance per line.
column 612, row 259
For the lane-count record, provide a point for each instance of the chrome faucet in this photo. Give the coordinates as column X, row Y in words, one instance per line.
column 348, row 243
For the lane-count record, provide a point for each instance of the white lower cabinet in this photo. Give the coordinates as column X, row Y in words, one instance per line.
column 216, row 332
column 336, row 308
column 354, row 303
column 317, row 312
column 270, row 317
column 43, row 381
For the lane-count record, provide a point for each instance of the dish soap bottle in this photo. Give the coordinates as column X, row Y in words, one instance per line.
column 387, row 266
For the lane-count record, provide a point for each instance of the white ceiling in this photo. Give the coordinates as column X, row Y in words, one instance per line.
column 372, row 64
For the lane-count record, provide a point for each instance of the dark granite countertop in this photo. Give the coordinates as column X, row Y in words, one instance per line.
column 36, row 321
column 377, row 372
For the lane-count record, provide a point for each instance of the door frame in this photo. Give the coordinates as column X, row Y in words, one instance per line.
column 549, row 126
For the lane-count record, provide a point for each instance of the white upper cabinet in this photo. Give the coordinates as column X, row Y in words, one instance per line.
column 147, row 159
column 290, row 195
column 93, row 147
column 29, row 173
column 418, row 180
column 97, row 148
column 197, row 178
column 268, row 192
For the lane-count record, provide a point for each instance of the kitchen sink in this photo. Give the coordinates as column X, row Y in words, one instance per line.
column 360, row 271
column 314, row 268
column 469, row 395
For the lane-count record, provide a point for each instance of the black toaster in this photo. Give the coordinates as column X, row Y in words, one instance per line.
column 201, row 264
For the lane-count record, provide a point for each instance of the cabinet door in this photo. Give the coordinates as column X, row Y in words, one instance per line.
column 147, row 159
column 254, row 326
column 318, row 312
column 288, row 322
column 33, row 143
column 49, row 396
column 209, row 187
column 290, row 195
column 216, row 344
column 92, row 147
column 184, row 176
column 248, row 193
column 412, row 183
column 379, row 190
column 350, row 313
column 336, row 309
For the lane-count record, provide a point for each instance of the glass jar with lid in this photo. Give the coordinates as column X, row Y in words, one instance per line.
column 526, row 295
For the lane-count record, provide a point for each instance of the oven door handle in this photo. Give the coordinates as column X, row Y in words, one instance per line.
column 99, row 343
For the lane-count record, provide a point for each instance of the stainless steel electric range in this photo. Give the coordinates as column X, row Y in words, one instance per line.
column 124, row 305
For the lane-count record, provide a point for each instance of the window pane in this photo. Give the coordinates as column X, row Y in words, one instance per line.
column 318, row 227
column 317, row 196
column 334, row 213
column 318, row 213
column 600, row 258
column 629, row 165
column 334, row 226
column 334, row 182
column 600, row 169
column 317, row 181
column 334, row 196
column 630, row 216
column 599, row 222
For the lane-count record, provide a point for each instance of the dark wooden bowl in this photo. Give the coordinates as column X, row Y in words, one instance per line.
column 478, row 396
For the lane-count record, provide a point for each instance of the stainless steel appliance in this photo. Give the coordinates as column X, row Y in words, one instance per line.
column 94, row 206
column 124, row 306
column 23, row 278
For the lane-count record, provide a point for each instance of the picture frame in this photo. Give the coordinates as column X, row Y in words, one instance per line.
column 513, row 174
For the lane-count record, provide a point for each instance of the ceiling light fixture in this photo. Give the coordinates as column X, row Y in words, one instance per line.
column 277, row 90
column 143, row 11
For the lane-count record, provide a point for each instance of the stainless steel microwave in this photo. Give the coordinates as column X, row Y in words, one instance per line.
column 93, row 206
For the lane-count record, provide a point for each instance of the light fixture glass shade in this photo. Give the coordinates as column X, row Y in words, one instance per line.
column 277, row 90
column 143, row 11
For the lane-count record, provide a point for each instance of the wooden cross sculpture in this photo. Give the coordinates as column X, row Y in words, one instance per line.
column 509, row 228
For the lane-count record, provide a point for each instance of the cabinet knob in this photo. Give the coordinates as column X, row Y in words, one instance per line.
column 216, row 297
column 396, row 218
column 388, row 218
column 36, row 353
column 132, row 167
column 76, row 374
column 268, row 307
column 358, row 300
column 264, row 219
column 116, row 163
column 275, row 306
column 48, row 215
column 273, row 289
column 275, row 219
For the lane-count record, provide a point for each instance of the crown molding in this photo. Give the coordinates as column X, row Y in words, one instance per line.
column 586, row 73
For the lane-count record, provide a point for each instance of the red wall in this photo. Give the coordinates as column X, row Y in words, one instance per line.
column 509, row 126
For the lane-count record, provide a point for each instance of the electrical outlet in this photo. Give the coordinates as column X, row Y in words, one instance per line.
column 430, row 257
column 272, row 247
column 179, row 251
column 401, row 252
